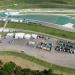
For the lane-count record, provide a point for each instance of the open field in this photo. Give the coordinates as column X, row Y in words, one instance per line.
column 21, row 4
column 1, row 24
column 21, row 62
column 73, row 13
column 39, row 1
column 27, row 58
column 42, row 29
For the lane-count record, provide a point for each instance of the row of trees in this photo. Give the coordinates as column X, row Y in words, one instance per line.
column 11, row 68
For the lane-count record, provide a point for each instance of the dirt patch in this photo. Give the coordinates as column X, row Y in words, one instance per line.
column 21, row 62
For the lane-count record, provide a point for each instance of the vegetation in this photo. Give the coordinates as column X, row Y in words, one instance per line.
column 67, row 13
column 24, row 63
column 1, row 24
column 55, row 68
column 36, row 4
column 10, row 68
column 39, row 1
column 42, row 29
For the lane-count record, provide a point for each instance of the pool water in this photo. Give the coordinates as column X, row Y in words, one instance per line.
column 55, row 19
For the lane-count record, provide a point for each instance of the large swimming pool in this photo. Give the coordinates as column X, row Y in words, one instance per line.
column 55, row 19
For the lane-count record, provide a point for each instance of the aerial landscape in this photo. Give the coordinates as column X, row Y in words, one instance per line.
column 37, row 37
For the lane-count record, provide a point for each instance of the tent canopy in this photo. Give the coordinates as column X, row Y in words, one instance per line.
column 27, row 36
column 34, row 36
column 19, row 35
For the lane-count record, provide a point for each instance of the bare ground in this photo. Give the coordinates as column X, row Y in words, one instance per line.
column 21, row 62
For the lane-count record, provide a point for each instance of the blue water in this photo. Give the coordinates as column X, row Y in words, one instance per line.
column 56, row 19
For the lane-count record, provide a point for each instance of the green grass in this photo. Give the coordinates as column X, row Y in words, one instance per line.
column 5, row 4
column 37, row 1
column 47, row 13
column 1, row 24
column 23, row 6
column 55, row 68
column 42, row 29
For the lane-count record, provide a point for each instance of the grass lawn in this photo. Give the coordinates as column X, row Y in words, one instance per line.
column 25, row 6
column 24, row 63
column 1, row 24
column 48, row 13
column 38, row 1
column 43, row 29
column 21, row 4
column 55, row 68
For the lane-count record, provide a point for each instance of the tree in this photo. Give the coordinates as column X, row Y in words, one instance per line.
column 1, row 63
column 9, row 67
column 27, row 72
column 18, row 71
column 2, row 72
